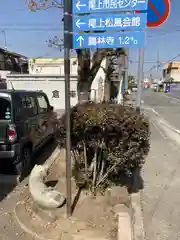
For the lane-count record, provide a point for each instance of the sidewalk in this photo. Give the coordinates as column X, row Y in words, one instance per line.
column 161, row 194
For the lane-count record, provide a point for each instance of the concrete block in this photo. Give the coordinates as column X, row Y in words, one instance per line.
column 120, row 208
column 118, row 195
column 138, row 222
column 125, row 231
column 89, row 235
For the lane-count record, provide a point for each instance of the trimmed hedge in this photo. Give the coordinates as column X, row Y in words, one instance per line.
column 107, row 139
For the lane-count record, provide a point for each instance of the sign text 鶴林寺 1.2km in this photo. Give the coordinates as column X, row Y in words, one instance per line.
column 115, row 29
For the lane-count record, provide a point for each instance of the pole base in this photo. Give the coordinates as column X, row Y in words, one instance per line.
column 138, row 109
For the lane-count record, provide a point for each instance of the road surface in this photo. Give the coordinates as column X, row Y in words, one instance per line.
column 161, row 194
column 166, row 106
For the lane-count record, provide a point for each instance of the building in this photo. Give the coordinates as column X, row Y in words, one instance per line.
column 171, row 72
column 11, row 62
column 47, row 74
column 51, row 66
column 54, row 85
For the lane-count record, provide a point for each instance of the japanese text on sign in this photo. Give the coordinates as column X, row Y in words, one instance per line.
column 113, row 4
column 94, row 41
column 114, row 22
column 111, row 40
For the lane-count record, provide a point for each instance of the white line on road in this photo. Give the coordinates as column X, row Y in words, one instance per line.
column 157, row 127
column 172, row 98
column 154, row 111
column 165, row 123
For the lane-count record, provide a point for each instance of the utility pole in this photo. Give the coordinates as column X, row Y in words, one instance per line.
column 157, row 62
column 67, row 46
column 5, row 39
column 140, row 76
column 126, row 65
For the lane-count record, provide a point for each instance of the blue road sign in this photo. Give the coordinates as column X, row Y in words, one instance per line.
column 109, row 40
column 95, row 6
column 94, row 22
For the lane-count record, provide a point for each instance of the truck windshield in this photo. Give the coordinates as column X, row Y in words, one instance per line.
column 5, row 109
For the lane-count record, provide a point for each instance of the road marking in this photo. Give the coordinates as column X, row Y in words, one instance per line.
column 154, row 111
column 172, row 98
column 165, row 123
column 157, row 127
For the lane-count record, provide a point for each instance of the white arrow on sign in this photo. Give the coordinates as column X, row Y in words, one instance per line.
column 80, row 39
column 79, row 5
column 79, row 23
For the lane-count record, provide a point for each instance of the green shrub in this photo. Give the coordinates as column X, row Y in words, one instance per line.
column 107, row 139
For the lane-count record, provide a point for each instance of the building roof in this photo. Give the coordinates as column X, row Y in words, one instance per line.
column 3, row 50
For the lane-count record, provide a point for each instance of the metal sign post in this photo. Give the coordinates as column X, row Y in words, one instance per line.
column 140, row 78
column 67, row 40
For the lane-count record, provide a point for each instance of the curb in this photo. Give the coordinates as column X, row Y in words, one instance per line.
column 53, row 157
column 26, row 229
column 125, row 232
column 137, row 209
column 137, row 218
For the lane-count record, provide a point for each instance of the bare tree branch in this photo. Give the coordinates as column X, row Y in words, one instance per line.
column 35, row 5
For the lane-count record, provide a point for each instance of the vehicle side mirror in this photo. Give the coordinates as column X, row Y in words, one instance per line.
column 51, row 108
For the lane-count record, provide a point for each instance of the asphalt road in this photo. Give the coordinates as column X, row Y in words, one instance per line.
column 166, row 106
column 161, row 194
column 9, row 196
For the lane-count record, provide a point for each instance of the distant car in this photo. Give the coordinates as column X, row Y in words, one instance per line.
column 133, row 87
column 154, row 86
column 27, row 121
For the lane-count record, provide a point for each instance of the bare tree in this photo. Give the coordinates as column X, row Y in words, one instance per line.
column 89, row 61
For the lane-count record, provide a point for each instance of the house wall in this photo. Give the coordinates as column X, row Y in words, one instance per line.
column 172, row 70
column 52, row 66
column 47, row 84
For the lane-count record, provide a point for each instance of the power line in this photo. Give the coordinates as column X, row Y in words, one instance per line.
column 31, row 29
column 170, row 60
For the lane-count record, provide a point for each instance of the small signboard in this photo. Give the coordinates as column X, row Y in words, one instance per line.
column 104, row 22
column 97, row 6
column 109, row 40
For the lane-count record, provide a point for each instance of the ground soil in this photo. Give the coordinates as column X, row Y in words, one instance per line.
column 92, row 216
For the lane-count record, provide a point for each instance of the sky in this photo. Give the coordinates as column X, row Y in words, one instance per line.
column 27, row 32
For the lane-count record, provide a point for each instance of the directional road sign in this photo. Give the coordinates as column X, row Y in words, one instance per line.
column 94, row 22
column 95, row 6
column 109, row 40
